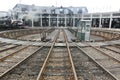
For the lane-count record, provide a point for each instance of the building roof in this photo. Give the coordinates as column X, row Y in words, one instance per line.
column 3, row 13
column 48, row 9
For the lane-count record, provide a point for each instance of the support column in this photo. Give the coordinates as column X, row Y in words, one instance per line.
column 110, row 23
column 82, row 16
column 41, row 20
column 57, row 20
column 100, row 26
column 65, row 20
column 91, row 18
column 73, row 21
column 32, row 18
column 49, row 21
column 32, row 21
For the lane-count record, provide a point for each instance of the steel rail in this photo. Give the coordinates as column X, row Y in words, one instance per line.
column 3, row 58
column 111, row 49
column 117, row 46
column 45, row 62
column 3, row 74
column 113, row 58
column 97, row 63
column 9, row 48
column 70, row 57
column 3, row 44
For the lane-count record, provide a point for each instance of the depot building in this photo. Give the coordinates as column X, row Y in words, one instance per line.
column 44, row 16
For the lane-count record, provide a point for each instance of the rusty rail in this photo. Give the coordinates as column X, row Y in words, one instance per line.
column 3, row 74
column 45, row 62
column 97, row 62
column 70, row 57
column 3, row 58
column 40, row 77
column 8, row 48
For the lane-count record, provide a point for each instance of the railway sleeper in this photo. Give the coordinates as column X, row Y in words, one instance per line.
column 103, row 59
column 17, row 71
column 61, row 61
column 81, row 67
column 33, row 73
column 35, row 68
column 113, row 67
column 63, row 57
column 57, row 74
column 116, row 72
column 7, row 66
column 111, row 50
column 37, row 62
column 55, row 62
column 58, row 67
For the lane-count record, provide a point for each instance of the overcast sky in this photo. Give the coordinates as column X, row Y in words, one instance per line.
column 92, row 5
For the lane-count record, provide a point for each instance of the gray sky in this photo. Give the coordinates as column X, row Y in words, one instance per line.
column 92, row 5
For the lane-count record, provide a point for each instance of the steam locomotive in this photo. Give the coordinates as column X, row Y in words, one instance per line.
column 7, row 23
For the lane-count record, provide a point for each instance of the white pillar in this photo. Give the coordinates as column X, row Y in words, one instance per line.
column 73, row 21
column 49, row 21
column 91, row 17
column 82, row 16
column 110, row 21
column 41, row 20
column 57, row 20
column 65, row 20
column 32, row 22
column 100, row 26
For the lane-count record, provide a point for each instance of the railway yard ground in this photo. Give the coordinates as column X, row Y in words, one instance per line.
column 57, row 54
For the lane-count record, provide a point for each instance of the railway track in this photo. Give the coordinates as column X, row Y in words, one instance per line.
column 111, row 51
column 110, row 64
column 5, row 47
column 29, row 68
column 11, row 51
column 2, row 44
column 58, row 66
column 11, row 60
column 57, row 63
column 88, row 68
column 6, row 54
column 25, row 68
column 113, row 48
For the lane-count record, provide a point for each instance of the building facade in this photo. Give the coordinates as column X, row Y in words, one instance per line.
column 104, row 20
column 64, row 16
column 3, row 14
column 48, row 16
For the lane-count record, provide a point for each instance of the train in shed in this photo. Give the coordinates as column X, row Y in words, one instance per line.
column 7, row 23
